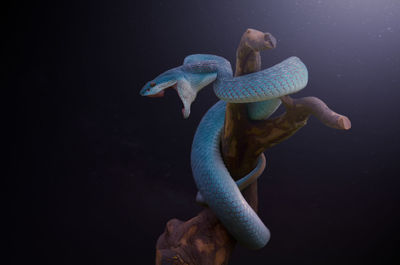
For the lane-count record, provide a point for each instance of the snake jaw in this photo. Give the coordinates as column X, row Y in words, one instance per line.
column 187, row 94
column 156, row 89
column 186, row 91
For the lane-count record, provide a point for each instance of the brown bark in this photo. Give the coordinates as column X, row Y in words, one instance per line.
column 203, row 239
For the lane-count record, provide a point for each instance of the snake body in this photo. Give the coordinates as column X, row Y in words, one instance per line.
column 262, row 91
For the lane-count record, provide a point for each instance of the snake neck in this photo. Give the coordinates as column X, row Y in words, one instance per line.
column 198, row 71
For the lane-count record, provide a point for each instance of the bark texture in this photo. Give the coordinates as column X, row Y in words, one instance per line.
column 203, row 239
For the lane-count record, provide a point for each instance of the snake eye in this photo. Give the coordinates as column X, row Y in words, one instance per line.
column 152, row 84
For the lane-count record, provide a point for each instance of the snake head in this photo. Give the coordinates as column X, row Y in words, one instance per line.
column 157, row 86
column 175, row 79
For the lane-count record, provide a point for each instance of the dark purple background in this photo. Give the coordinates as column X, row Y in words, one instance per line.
column 96, row 170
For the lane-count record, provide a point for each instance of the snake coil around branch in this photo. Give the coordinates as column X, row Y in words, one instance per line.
column 204, row 239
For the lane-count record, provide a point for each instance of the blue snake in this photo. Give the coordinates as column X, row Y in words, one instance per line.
column 261, row 90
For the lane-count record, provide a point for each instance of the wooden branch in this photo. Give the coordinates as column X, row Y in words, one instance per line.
column 268, row 133
column 203, row 239
column 239, row 157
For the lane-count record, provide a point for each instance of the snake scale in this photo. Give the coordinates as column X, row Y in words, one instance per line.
column 261, row 90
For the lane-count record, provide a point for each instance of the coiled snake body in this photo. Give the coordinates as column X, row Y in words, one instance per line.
column 262, row 91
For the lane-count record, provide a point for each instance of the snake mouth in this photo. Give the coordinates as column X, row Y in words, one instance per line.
column 162, row 92
column 158, row 95
column 157, row 92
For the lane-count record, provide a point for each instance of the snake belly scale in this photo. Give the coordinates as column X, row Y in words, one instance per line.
column 261, row 90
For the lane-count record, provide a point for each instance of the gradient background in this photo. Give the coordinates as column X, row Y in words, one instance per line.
column 96, row 170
